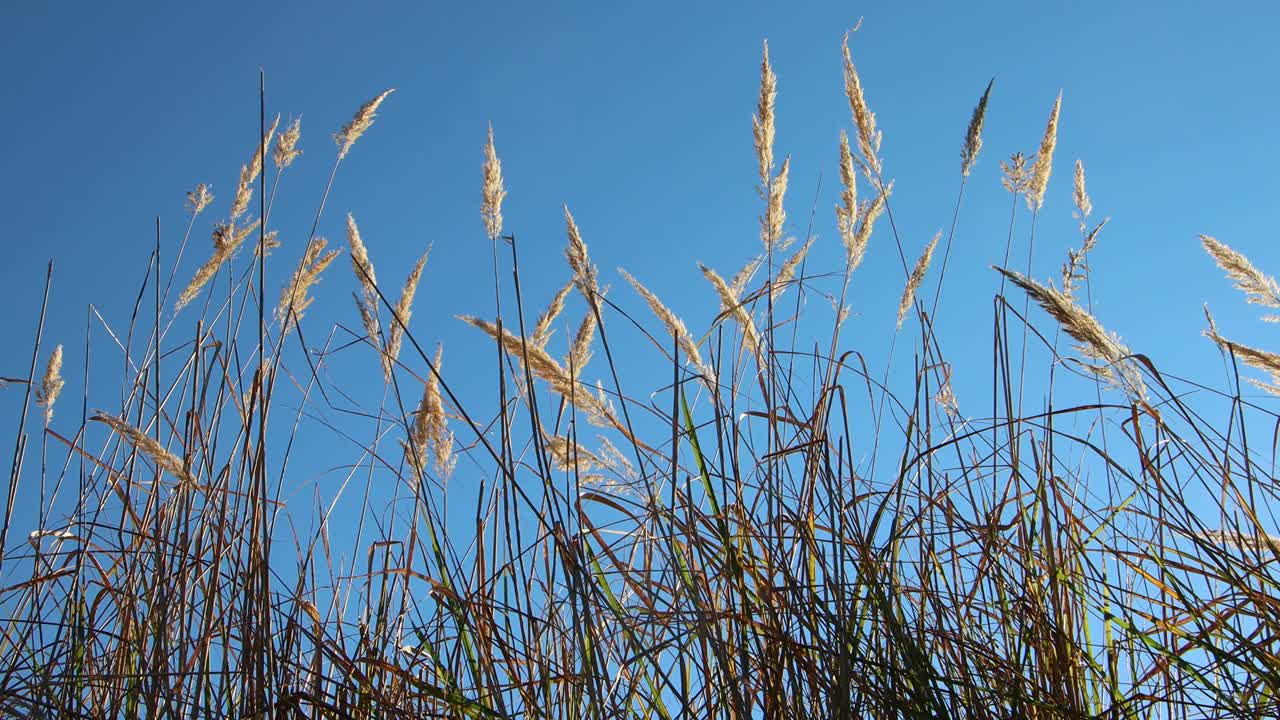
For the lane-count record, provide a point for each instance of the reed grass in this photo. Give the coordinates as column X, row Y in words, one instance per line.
column 777, row 530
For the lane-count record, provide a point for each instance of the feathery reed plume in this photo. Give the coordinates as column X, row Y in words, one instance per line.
column 863, row 119
column 856, row 247
column 585, row 276
column 1094, row 340
column 775, row 214
column 675, row 326
column 580, row 350
column 1084, row 206
column 1076, row 270
column 568, row 456
column 847, row 209
column 226, row 240
column 973, row 136
column 286, row 150
column 542, row 329
column 545, row 367
column 360, row 122
column 249, row 173
column 788, row 270
column 430, row 428
column 1254, row 357
column 51, row 384
column 493, row 191
column 917, row 277
column 1242, row 541
column 729, row 303
column 1260, row 288
column 739, row 282
column 1016, row 174
column 404, row 308
column 762, row 124
column 1043, row 164
column 199, row 199
column 294, row 299
column 367, row 299
column 147, row 445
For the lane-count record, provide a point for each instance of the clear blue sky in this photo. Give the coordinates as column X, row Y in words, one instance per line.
column 638, row 117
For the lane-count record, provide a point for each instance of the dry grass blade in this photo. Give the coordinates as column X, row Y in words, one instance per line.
column 404, row 309
column 1043, row 165
column 51, row 384
column 493, row 191
column 147, row 445
column 973, row 135
column 1260, row 288
column 917, row 277
column 360, row 122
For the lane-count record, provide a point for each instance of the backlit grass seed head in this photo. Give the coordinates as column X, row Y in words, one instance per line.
column 249, row 173
column 863, row 119
column 1255, row 542
column 51, row 384
column 917, row 277
column 286, row 150
column 731, row 304
column 1254, row 357
column 146, row 445
column 585, row 276
column 360, row 122
column 493, row 191
column 871, row 211
column 199, row 199
column 1016, row 174
column 675, row 326
column 1094, row 340
column 542, row 329
column 580, row 350
column 295, row 298
column 787, row 272
column 1043, row 165
column 1258, row 287
column 763, row 123
column 367, row 299
column 227, row 238
column 1084, row 206
column 847, row 209
column 404, row 308
column 775, row 213
column 430, row 430
column 973, row 136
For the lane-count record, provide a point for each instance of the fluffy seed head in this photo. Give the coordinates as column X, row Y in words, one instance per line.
column 249, row 173
column 51, row 384
column 863, row 119
column 973, row 136
column 493, row 190
column 1260, row 288
column 917, row 277
column 1043, row 165
column 148, row 446
column 404, row 308
column 287, row 145
column 585, row 276
column 199, row 199
column 360, row 122
column 763, row 123
column 775, row 215
column 1084, row 206
column 294, row 299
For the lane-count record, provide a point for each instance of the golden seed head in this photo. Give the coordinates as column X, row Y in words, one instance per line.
column 917, row 277
column 1084, row 206
column 360, row 122
column 249, row 173
column 294, row 299
column 763, row 122
column 1043, row 165
column 973, row 136
column 287, row 145
column 493, row 191
column 51, row 384
column 863, row 119
column 404, row 308
column 199, row 199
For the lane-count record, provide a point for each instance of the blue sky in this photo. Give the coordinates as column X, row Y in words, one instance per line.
column 638, row 117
